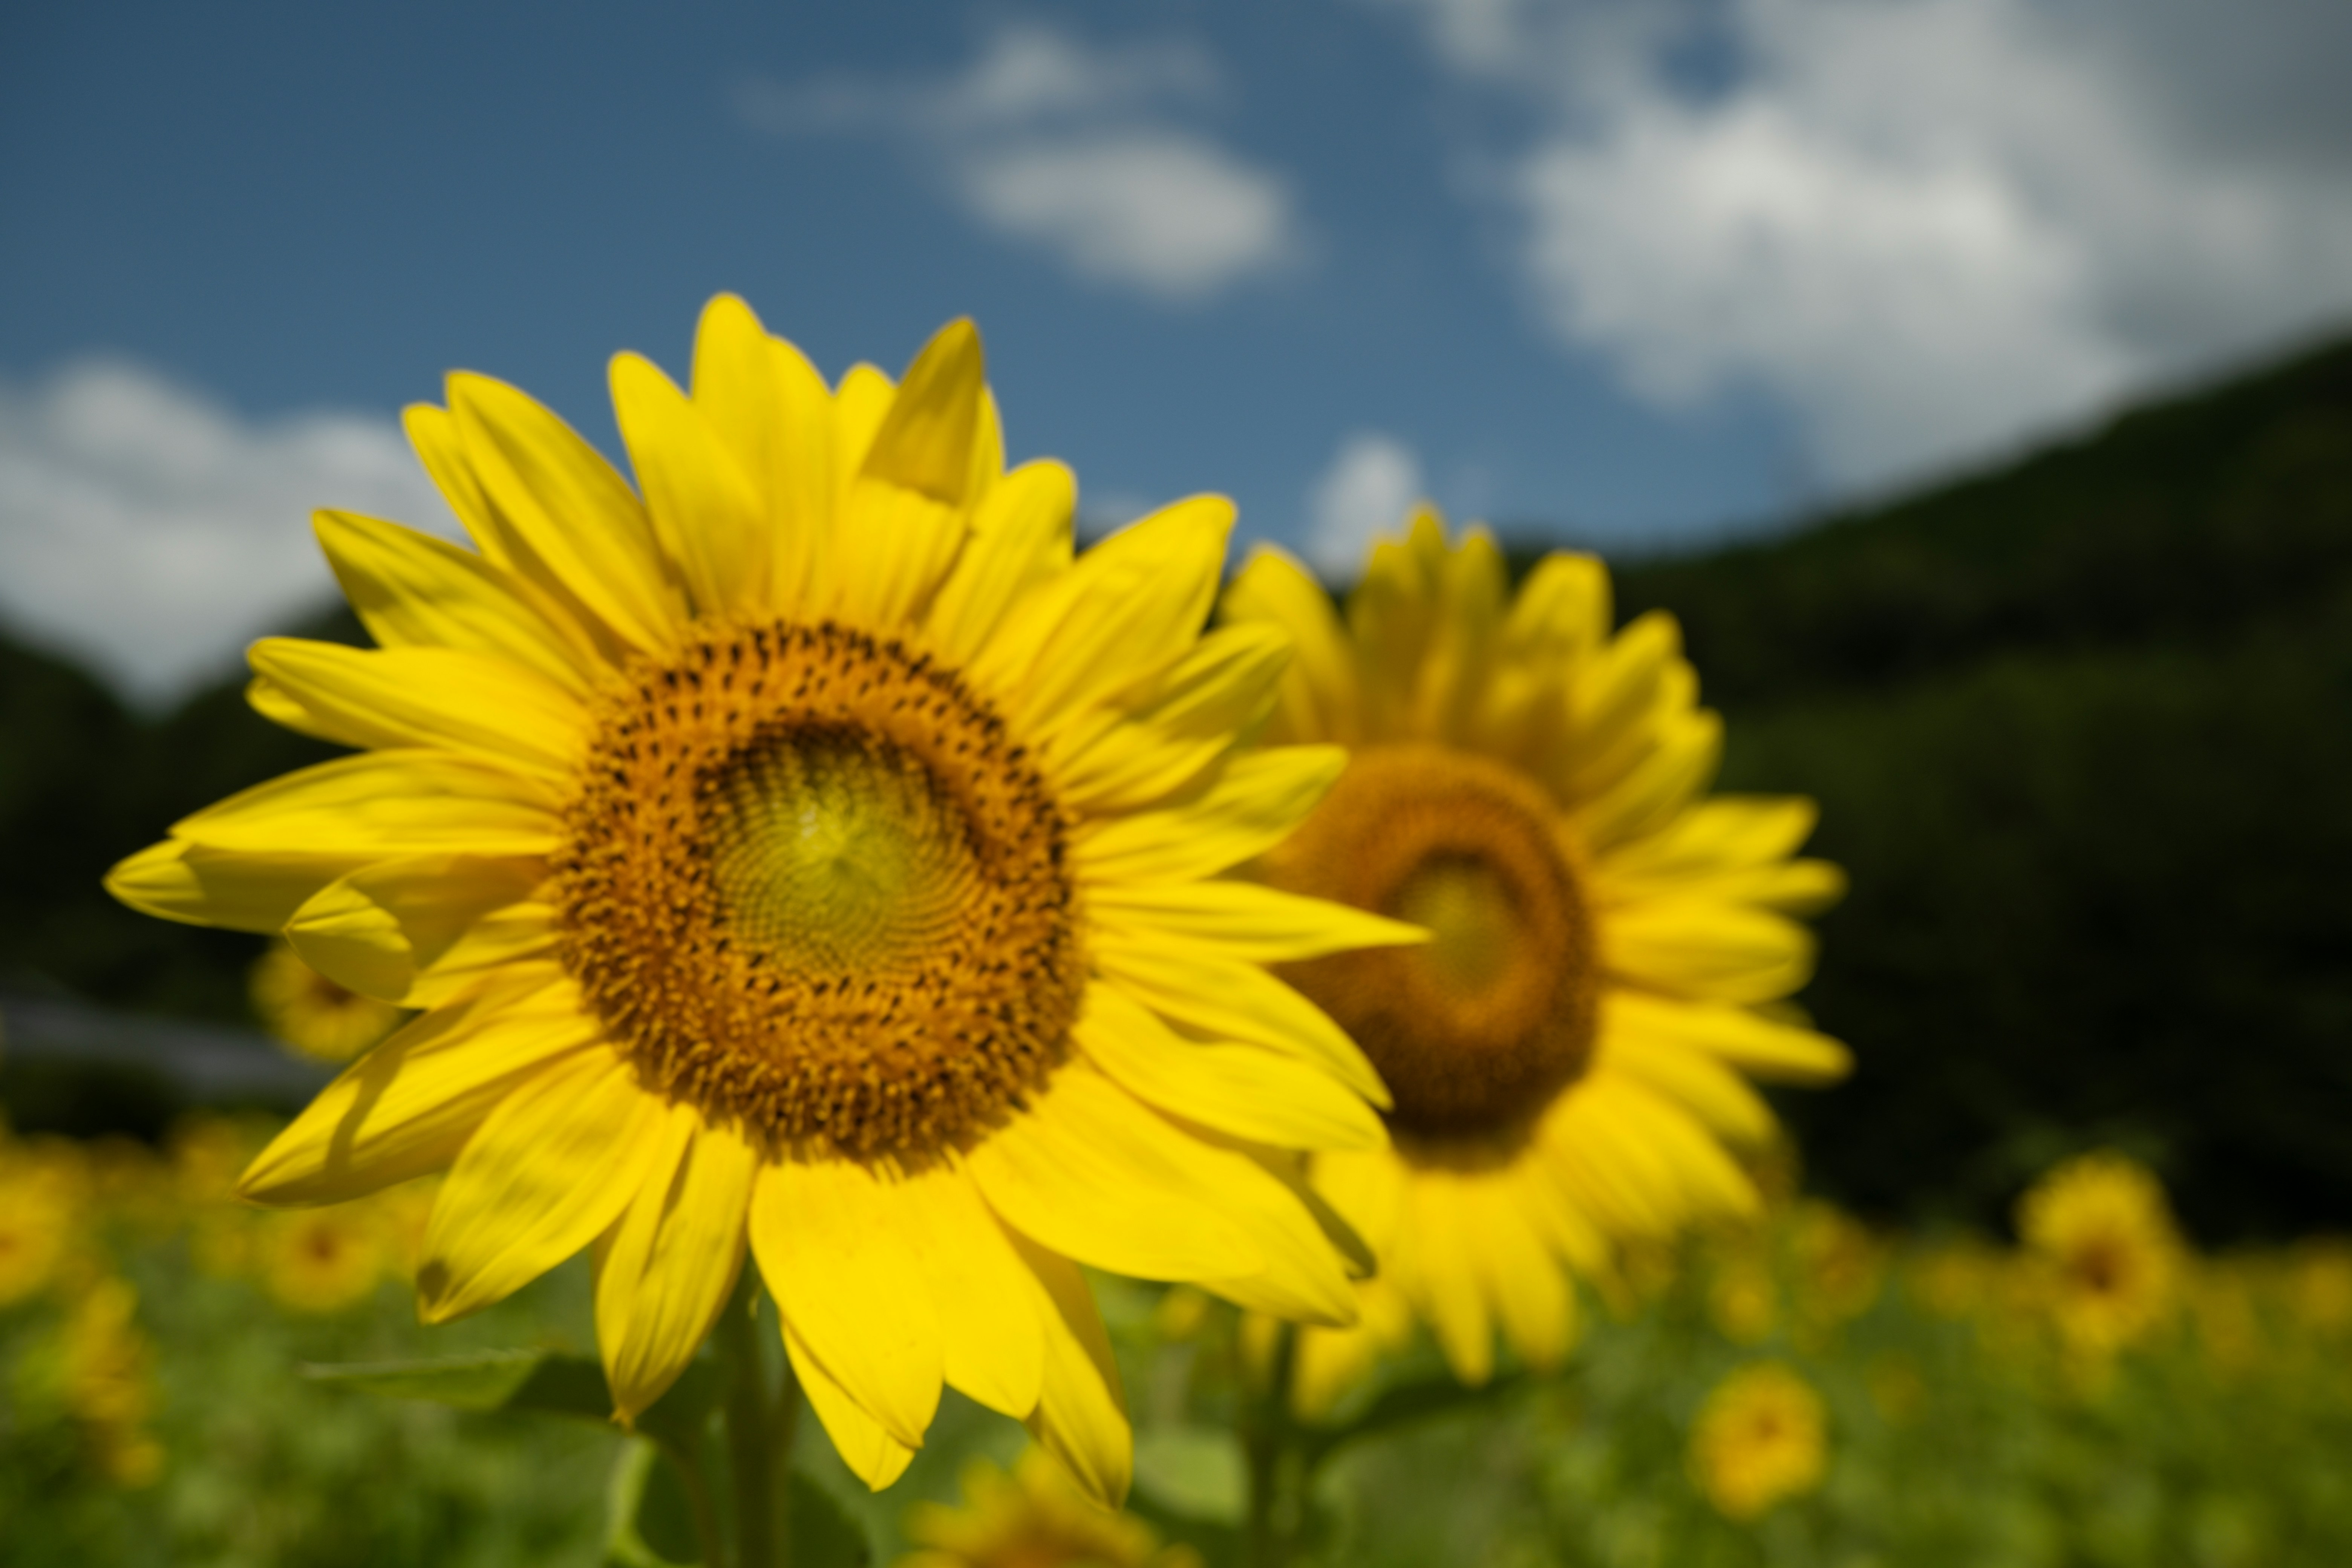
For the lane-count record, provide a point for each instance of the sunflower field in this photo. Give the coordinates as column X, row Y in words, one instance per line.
column 1799, row 1391
column 822, row 1018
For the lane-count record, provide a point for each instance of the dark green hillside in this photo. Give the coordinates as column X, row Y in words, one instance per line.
column 84, row 782
column 2082, row 731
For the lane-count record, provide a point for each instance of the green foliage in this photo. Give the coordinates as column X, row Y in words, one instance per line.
column 2079, row 731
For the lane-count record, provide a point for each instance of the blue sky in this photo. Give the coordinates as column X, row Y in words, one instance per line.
column 1630, row 272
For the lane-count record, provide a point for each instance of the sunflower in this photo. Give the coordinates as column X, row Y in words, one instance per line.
column 313, row 1015
column 2101, row 1252
column 322, row 1260
column 1761, row 1437
column 1565, row 1055
column 1033, row 1518
column 802, row 851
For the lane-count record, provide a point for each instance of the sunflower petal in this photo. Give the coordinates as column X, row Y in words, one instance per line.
column 454, row 698
column 1081, row 1415
column 1239, row 1089
column 833, row 1250
column 371, row 930
column 1227, row 999
column 1092, row 1173
column 412, row 590
column 991, row 1334
column 567, row 521
column 1242, row 920
column 872, row 1455
column 1776, row 1052
column 384, row 803
column 407, row 1107
column 1318, row 701
column 544, row 1175
column 663, row 1273
column 1020, row 538
column 703, row 506
column 1255, row 802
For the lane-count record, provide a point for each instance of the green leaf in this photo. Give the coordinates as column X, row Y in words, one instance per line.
column 543, row 1380
column 649, row 1522
column 1197, row 1471
column 824, row 1535
column 1405, row 1404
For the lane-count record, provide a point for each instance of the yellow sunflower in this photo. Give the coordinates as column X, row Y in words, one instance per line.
column 304, row 1009
column 2101, row 1251
column 801, row 850
column 1566, row 1054
column 1033, row 1518
column 1761, row 1437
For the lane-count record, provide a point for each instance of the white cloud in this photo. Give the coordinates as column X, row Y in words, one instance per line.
column 1929, row 226
column 152, row 531
column 1371, row 486
column 1081, row 151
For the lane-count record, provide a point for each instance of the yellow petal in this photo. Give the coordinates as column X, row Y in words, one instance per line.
column 666, row 1270
column 1227, row 999
column 1435, row 1268
column 384, row 803
column 907, row 513
column 371, row 930
column 412, row 590
column 1091, row 1174
column 704, row 507
column 1690, row 1078
column 433, row 435
column 544, row 1175
column 770, row 406
column 1689, row 750
column 1318, row 701
column 1708, row 951
column 925, row 440
column 872, row 1455
column 519, row 934
column 1328, row 1364
column 1130, row 608
column 1081, row 1415
column 1522, row 1280
column 1775, row 1052
column 859, row 406
column 991, row 1334
column 454, row 698
column 407, row 1107
column 1020, row 538
column 1240, row 1090
column 1113, row 760
column 567, row 521
column 1240, row 920
column 241, row 890
column 832, row 1242
column 1251, row 805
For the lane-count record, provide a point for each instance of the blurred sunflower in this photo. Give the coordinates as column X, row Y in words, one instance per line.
column 2101, row 1251
column 317, row 1016
column 37, row 1215
column 810, row 852
column 1761, row 1437
column 322, row 1260
column 1565, row 1056
column 1033, row 1518
column 105, row 1367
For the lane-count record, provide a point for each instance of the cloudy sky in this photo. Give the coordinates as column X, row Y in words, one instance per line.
column 1629, row 272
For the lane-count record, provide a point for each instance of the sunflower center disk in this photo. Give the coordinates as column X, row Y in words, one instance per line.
column 1477, row 1030
column 813, row 889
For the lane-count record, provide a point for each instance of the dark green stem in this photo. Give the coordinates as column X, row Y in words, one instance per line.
column 752, row 1450
column 710, row 1539
column 1269, row 1438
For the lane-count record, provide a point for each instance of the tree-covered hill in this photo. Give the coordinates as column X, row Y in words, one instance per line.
column 2081, row 729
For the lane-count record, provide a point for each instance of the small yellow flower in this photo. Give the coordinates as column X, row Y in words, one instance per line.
column 1839, row 1263
column 106, row 1367
column 1032, row 1519
column 1743, row 1298
column 37, row 1217
column 2100, row 1245
column 1569, row 1057
column 319, row 1018
column 1761, row 1437
column 325, row 1259
column 2320, row 1285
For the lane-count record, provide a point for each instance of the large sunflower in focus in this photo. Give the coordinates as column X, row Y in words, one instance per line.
column 1566, row 1055
column 803, row 850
